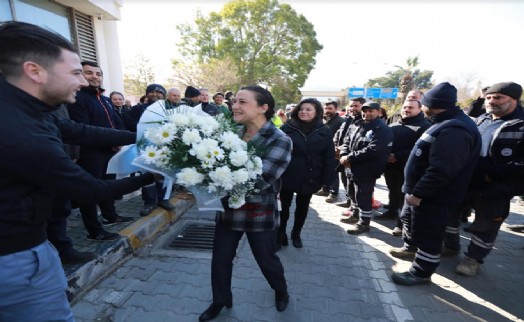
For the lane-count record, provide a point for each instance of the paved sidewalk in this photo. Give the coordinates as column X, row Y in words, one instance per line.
column 335, row 277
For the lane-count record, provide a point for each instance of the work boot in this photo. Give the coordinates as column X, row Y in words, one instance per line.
column 468, row 267
column 409, row 279
column 331, row 198
column 322, row 193
column 519, row 228
column 73, row 256
column 358, row 229
column 403, row 252
column 448, row 251
column 344, row 204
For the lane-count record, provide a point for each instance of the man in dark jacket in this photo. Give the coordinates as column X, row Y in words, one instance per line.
column 437, row 175
column 191, row 96
column 364, row 154
column 406, row 132
column 354, row 114
column 499, row 175
column 93, row 108
column 333, row 121
column 40, row 71
column 154, row 92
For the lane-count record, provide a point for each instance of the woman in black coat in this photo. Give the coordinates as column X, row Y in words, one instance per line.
column 312, row 164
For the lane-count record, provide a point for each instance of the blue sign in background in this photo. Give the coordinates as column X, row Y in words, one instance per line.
column 383, row 93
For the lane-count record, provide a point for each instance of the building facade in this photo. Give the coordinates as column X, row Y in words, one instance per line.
column 89, row 24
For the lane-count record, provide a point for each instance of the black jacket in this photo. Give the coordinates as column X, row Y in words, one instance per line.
column 313, row 160
column 34, row 167
column 442, row 161
column 93, row 108
column 504, row 164
column 367, row 145
column 340, row 134
column 334, row 124
column 405, row 133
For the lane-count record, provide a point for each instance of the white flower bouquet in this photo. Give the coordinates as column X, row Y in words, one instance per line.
column 204, row 153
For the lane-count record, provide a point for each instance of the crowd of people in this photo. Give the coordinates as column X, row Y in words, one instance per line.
column 438, row 163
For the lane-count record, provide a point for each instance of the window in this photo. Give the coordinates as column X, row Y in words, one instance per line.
column 43, row 13
column 5, row 11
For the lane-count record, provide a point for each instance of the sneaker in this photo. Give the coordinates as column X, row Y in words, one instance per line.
column 166, row 205
column 358, row 229
column 402, row 253
column 146, row 210
column 331, row 198
column 387, row 215
column 409, row 279
column 343, row 204
column 468, row 267
column 104, row 236
column 519, row 228
column 117, row 220
column 397, row 231
column 321, row 193
column 74, row 256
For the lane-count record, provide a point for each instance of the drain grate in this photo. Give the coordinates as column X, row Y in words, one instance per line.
column 195, row 236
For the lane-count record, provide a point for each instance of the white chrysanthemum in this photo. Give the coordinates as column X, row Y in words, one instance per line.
column 221, row 176
column 257, row 165
column 179, row 119
column 240, row 176
column 189, row 177
column 217, row 153
column 204, row 150
column 209, row 163
column 163, row 157
column 150, row 154
column 191, row 137
column 209, row 128
column 230, row 140
column 166, row 133
column 151, row 134
column 238, row 158
column 237, row 201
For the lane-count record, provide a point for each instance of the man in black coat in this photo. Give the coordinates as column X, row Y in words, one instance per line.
column 364, row 154
column 41, row 70
column 499, row 174
column 333, row 121
column 94, row 108
column 437, row 175
column 406, row 132
column 353, row 114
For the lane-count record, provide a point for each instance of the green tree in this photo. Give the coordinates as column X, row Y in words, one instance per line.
column 266, row 42
column 138, row 75
column 404, row 77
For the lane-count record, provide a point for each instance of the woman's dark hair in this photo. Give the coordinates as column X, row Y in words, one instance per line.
column 263, row 96
column 228, row 95
column 21, row 42
column 318, row 108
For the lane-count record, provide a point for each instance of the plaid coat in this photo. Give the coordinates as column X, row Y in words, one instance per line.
column 260, row 213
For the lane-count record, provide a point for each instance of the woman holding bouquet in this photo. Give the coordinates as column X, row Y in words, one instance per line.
column 312, row 165
column 253, row 108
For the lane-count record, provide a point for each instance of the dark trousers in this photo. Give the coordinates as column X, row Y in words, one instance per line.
column 263, row 245
column 490, row 213
column 153, row 193
column 57, row 226
column 394, row 181
column 344, row 180
column 350, row 189
column 96, row 166
column 428, row 224
column 301, row 209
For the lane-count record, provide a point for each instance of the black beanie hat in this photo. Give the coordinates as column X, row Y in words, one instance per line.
column 191, row 92
column 156, row 87
column 510, row 89
column 443, row 95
